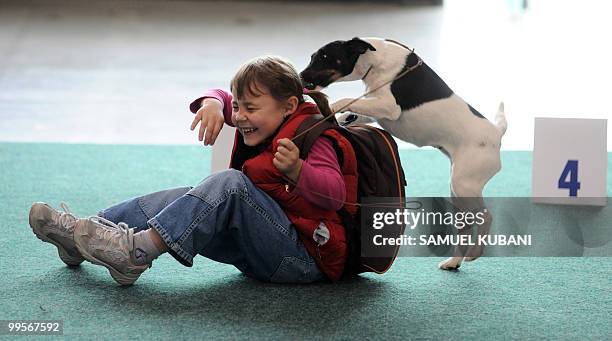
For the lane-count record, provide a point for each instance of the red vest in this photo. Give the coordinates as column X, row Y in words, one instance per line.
column 256, row 163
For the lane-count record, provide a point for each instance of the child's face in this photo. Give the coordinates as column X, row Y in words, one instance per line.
column 258, row 117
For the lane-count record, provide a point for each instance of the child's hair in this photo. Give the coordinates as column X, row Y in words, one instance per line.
column 281, row 79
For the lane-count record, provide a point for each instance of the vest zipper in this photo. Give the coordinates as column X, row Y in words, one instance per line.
column 320, row 236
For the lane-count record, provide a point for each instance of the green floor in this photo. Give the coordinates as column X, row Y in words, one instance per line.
column 493, row 298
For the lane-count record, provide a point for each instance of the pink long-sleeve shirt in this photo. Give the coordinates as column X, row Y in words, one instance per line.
column 320, row 172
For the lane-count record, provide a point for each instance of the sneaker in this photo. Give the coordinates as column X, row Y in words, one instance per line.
column 111, row 245
column 57, row 228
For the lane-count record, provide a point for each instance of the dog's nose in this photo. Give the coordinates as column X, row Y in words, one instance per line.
column 307, row 81
column 307, row 84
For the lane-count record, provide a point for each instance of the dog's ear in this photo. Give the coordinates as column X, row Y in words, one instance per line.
column 359, row 46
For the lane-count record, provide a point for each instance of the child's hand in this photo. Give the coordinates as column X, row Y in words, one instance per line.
column 211, row 118
column 287, row 159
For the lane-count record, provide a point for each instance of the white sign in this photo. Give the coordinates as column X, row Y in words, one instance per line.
column 222, row 149
column 570, row 161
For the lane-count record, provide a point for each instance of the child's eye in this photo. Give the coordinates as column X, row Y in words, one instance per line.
column 235, row 107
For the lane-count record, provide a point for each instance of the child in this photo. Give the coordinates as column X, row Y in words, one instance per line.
column 272, row 215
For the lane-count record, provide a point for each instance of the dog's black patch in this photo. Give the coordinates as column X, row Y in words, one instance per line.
column 475, row 112
column 418, row 86
column 350, row 119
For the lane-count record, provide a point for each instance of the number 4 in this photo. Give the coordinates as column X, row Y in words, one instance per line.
column 571, row 170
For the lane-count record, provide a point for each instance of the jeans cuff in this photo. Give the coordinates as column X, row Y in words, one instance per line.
column 175, row 249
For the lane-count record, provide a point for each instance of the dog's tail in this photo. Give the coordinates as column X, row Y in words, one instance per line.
column 500, row 119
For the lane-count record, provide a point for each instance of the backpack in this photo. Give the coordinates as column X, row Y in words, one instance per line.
column 380, row 174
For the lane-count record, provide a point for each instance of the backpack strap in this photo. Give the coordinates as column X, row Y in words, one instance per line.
column 306, row 141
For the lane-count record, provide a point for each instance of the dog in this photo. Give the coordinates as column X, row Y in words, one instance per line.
column 410, row 101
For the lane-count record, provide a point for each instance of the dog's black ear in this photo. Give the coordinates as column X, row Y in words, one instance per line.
column 359, row 46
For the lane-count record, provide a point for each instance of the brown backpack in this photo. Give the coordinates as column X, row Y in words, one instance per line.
column 380, row 179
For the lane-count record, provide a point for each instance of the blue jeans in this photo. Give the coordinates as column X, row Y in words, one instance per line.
column 225, row 218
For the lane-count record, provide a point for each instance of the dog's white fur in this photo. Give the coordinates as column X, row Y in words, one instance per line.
column 472, row 143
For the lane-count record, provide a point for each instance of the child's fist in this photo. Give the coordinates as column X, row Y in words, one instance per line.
column 287, row 159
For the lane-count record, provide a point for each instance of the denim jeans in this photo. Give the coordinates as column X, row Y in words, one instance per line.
column 225, row 218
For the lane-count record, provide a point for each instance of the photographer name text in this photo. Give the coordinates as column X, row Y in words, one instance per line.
column 460, row 239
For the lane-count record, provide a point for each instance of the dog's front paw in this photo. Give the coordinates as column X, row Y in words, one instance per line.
column 346, row 118
column 451, row 264
column 349, row 118
column 341, row 105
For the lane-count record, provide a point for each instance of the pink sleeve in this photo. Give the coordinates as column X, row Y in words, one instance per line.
column 223, row 96
column 321, row 174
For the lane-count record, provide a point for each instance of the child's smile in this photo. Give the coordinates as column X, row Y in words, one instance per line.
column 257, row 117
column 247, row 131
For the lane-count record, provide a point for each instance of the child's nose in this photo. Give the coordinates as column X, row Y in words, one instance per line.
column 238, row 116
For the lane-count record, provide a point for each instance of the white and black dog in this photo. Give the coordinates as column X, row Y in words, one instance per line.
column 417, row 107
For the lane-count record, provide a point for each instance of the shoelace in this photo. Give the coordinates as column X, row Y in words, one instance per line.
column 112, row 228
column 66, row 218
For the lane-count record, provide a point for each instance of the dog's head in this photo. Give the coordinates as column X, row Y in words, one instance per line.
column 333, row 61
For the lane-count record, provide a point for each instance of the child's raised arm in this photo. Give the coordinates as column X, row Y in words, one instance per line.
column 211, row 111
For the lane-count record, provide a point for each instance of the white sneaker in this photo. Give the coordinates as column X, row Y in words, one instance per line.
column 57, row 228
column 108, row 244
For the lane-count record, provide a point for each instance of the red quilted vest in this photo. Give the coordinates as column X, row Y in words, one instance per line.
column 256, row 163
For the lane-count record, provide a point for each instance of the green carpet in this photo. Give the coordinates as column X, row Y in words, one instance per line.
column 493, row 298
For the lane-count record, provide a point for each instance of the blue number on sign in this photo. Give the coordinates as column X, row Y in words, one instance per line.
column 571, row 170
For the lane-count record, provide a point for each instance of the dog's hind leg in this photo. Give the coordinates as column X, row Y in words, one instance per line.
column 468, row 178
column 483, row 230
column 462, row 203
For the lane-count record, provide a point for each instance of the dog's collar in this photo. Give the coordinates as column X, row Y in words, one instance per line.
column 366, row 74
column 407, row 68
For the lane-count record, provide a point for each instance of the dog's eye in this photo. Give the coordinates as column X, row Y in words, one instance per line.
column 324, row 56
column 338, row 61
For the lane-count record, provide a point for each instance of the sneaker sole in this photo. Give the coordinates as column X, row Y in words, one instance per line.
column 63, row 255
column 119, row 277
